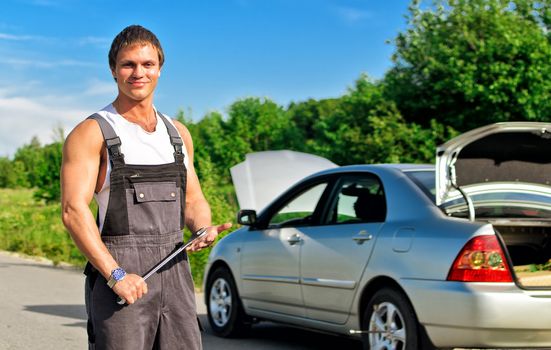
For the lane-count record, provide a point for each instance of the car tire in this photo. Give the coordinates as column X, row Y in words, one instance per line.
column 390, row 313
column 224, row 310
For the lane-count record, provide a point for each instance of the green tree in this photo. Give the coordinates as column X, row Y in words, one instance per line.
column 29, row 156
column 365, row 127
column 211, row 141
column 254, row 125
column 308, row 121
column 47, row 172
column 468, row 63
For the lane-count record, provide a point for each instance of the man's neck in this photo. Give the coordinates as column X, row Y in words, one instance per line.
column 138, row 112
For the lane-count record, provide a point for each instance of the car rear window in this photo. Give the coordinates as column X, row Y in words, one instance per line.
column 425, row 180
column 503, row 205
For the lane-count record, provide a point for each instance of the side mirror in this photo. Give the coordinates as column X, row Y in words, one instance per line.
column 246, row 217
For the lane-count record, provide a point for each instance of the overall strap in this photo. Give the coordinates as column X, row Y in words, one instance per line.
column 112, row 141
column 175, row 139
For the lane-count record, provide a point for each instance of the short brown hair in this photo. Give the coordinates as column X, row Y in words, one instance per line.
column 133, row 35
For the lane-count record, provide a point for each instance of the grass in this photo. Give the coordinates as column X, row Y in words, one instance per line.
column 34, row 228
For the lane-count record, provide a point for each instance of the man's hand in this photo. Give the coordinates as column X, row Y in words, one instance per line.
column 208, row 239
column 131, row 288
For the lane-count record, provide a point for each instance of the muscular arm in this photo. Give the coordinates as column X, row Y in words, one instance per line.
column 198, row 214
column 79, row 173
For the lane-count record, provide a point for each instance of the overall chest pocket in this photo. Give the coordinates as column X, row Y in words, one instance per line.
column 153, row 207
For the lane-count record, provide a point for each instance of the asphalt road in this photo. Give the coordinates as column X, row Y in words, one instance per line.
column 42, row 307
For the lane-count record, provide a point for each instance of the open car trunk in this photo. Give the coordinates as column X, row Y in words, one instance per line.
column 529, row 248
column 501, row 173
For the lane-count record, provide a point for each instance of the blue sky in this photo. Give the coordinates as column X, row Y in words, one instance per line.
column 54, row 55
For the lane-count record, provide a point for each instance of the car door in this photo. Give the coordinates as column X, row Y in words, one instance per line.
column 334, row 255
column 270, row 256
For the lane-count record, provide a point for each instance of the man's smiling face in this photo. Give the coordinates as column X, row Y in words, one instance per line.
column 137, row 71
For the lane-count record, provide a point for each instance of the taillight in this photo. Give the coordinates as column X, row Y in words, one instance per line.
column 481, row 260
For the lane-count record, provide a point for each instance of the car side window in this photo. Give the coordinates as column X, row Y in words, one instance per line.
column 358, row 199
column 299, row 210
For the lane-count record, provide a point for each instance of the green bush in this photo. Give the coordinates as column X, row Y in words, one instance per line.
column 12, row 174
column 223, row 207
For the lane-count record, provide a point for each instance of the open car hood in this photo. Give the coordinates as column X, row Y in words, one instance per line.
column 511, row 155
column 263, row 176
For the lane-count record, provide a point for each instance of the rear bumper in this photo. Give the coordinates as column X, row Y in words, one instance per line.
column 457, row 314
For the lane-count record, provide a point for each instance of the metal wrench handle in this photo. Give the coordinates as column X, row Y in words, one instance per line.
column 180, row 248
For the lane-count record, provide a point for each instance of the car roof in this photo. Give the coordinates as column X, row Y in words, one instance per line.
column 404, row 167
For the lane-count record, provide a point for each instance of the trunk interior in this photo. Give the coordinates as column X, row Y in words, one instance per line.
column 529, row 247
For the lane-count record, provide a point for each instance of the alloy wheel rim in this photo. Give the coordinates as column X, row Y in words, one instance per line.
column 220, row 303
column 388, row 327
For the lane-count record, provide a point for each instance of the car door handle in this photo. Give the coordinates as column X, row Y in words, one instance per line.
column 362, row 237
column 294, row 239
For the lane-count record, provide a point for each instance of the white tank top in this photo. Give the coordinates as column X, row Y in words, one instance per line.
column 139, row 148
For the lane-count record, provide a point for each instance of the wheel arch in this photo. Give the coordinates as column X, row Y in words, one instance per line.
column 376, row 284
column 387, row 282
column 215, row 266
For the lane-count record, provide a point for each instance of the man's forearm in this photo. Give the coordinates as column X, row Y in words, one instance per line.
column 198, row 215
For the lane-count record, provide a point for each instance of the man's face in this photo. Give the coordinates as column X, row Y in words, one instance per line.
column 137, row 71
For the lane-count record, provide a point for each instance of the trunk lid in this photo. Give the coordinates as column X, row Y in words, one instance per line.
column 512, row 156
column 501, row 173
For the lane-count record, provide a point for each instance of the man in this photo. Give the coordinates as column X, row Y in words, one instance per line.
column 138, row 165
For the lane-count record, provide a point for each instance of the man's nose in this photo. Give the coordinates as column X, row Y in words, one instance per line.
column 138, row 71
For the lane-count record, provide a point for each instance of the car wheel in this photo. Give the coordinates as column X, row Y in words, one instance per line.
column 390, row 322
column 224, row 309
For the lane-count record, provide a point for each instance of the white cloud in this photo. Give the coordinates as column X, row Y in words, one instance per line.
column 45, row 3
column 22, row 118
column 18, row 62
column 77, row 63
column 82, row 41
column 94, row 41
column 5, row 36
column 101, row 88
column 353, row 15
column 28, row 37
column 24, row 114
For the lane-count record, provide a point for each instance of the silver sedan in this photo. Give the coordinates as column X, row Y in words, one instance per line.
column 403, row 256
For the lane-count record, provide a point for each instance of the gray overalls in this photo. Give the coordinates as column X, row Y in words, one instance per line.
column 143, row 224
